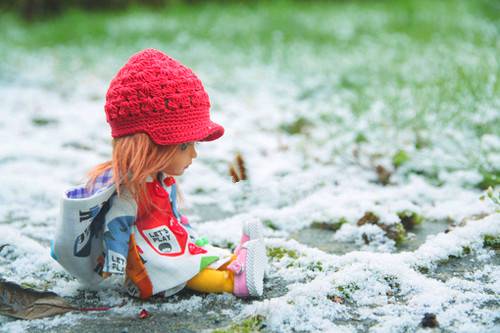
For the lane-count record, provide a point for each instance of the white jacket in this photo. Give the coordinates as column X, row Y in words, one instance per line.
column 94, row 229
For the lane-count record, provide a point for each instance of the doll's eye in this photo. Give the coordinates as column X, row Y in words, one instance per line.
column 184, row 146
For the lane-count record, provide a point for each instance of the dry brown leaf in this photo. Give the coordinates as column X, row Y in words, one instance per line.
column 237, row 169
column 336, row 299
column 25, row 303
column 383, row 175
column 233, row 174
column 241, row 166
column 369, row 217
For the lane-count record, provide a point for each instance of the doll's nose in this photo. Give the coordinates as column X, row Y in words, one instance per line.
column 194, row 154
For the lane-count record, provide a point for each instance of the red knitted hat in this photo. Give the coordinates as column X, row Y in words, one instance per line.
column 157, row 95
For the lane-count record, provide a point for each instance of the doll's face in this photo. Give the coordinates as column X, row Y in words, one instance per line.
column 182, row 159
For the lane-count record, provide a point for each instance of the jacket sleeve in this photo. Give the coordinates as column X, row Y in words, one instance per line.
column 118, row 224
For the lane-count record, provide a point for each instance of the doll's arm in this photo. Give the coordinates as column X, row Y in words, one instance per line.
column 117, row 229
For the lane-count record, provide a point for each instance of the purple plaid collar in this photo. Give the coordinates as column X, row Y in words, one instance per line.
column 84, row 191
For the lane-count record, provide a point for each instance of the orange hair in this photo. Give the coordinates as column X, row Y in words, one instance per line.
column 134, row 159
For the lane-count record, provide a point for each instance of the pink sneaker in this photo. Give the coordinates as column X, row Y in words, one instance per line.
column 252, row 229
column 249, row 268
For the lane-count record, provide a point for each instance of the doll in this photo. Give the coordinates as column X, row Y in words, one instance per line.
column 125, row 219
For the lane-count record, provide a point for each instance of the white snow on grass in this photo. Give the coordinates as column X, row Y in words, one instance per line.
column 384, row 287
column 311, row 153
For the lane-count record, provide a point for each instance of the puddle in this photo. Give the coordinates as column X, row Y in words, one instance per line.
column 323, row 239
column 462, row 267
column 418, row 235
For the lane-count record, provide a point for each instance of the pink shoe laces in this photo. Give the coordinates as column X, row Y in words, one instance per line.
column 236, row 267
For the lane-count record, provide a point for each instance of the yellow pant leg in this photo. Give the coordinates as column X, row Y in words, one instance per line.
column 211, row 280
column 224, row 267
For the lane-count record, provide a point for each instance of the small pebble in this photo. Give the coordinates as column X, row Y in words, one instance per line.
column 429, row 320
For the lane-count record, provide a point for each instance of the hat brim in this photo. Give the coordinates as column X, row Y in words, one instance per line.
column 209, row 132
column 215, row 131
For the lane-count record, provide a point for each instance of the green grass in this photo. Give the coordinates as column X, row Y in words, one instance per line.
column 492, row 241
column 278, row 253
column 432, row 65
column 249, row 325
column 316, row 23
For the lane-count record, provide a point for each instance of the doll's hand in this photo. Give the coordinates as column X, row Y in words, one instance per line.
column 201, row 241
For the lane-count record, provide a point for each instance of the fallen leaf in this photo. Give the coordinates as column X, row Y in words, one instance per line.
column 383, row 175
column 233, row 174
column 241, row 166
column 336, row 299
column 26, row 303
column 237, row 169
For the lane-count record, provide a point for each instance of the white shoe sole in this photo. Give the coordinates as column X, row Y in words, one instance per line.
column 256, row 265
column 253, row 229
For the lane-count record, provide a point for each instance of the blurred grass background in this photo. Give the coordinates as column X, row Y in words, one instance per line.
column 433, row 64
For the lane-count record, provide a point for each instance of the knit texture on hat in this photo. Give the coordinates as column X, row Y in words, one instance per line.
column 155, row 94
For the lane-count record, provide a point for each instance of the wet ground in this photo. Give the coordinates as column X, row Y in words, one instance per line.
column 215, row 313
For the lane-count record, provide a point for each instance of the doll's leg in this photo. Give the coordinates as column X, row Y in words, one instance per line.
column 243, row 275
column 224, row 267
column 211, row 280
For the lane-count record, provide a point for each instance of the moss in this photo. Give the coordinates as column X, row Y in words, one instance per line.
column 360, row 138
column 492, row 241
column 421, row 143
column 466, row 250
column 41, row 285
column 347, row 290
column 269, row 223
column 423, row 269
column 280, row 252
column 396, row 232
column 489, row 179
column 77, row 146
column 200, row 190
column 410, row 219
column 39, row 121
column 316, row 266
column 298, row 126
column 432, row 176
column 30, row 285
column 493, row 196
column 400, row 158
column 393, row 283
column 249, row 325
column 329, row 225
